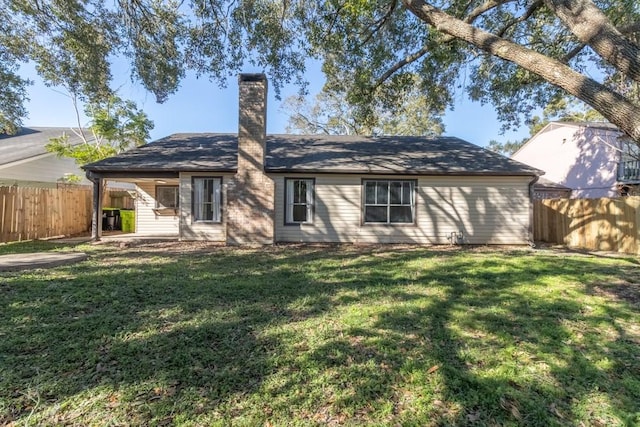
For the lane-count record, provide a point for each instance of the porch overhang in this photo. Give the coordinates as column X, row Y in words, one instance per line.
column 97, row 177
column 93, row 174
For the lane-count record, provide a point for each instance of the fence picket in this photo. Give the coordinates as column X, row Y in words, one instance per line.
column 36, row 213
column 595, row 224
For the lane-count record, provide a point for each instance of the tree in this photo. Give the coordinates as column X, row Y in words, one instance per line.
column 516, row 54
column 506, row 148
column 13, row 94
column 115, row 126
column 331, row 114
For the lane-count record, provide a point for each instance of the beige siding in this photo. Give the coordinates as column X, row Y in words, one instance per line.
column 147, row 221
column 45, row 168
column 190, row 230
column 483, row 210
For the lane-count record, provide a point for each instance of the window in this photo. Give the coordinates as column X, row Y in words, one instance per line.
column 299, row 201
column 167, row 196
column 206, row 199
column 389, row 202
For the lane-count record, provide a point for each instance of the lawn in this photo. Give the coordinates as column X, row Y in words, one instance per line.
column 191, row 334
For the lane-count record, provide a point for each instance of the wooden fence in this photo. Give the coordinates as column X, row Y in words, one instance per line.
column 39, row 213
column 595, row 224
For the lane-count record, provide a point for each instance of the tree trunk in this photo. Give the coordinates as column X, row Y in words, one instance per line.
column 613, row 106
column 593, row 28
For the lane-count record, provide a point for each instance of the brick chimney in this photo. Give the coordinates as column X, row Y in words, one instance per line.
column 250, row 193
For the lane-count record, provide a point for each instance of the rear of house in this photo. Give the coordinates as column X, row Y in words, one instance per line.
column 254, row 188
column 402, row 209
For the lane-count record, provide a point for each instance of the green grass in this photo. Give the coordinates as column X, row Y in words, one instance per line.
column 177, row 334
column 34, row 246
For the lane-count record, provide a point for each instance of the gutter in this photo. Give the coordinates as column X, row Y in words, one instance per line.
column 394, row 172
column 531, row 240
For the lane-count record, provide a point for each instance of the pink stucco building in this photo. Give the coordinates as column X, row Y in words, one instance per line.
column 591, row 159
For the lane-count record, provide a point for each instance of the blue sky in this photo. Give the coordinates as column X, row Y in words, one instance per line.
column 201, row 106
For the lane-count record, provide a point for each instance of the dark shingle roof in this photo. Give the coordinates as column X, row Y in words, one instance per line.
column 592, row 125
column 177, row 152
column 547, row 183
column 387, row 155
column 319, row 154
column 30, row 142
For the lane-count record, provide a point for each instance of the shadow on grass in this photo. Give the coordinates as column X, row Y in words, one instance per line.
column 319, row 335
column 35, row 246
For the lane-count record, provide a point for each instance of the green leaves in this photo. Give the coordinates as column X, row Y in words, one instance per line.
column 370, row 50
column 155, row 32
column 13, row 95
column 119, row 121
column 116, row 125
column 70, row 42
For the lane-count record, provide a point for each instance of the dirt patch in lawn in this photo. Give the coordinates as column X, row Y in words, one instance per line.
column 203, row 246
column 166, row 247
column 621, row 290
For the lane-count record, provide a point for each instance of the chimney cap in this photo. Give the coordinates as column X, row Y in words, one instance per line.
column 252, row 77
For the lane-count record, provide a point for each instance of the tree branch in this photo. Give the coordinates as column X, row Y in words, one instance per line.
column 572, row 53
column 627, row 29
column 614, row 107
column 526, row 15
column 80, row 131
column 485, row 7
column 592, row 27
column 381, row 21
column 336, row 16
column 472, row 16
column 398, row 65
column 630, row 28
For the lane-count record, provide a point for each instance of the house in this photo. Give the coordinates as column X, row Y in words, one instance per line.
column 24, row 160
column 253, row 188
column 547, row 189
column 591, row 159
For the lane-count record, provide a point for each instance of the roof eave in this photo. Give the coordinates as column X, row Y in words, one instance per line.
column 398, row 172
column 148, row 173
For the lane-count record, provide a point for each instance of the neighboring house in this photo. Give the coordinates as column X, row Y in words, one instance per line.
column 546, row 189
column 254, row 188
column 24, row 160
column 590, row 159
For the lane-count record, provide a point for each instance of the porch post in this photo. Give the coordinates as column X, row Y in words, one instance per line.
column 96, row 219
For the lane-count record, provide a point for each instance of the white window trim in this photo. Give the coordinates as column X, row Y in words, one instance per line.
column 289, row 197
column 388, row 205
column 197, row 205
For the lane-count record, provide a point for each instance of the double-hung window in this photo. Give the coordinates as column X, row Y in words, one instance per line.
column 299, row 200
column 167, row 197
column 389, row 201
column 207, row 199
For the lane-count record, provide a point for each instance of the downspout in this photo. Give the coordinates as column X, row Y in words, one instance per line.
column 531, row 217
column 96, row 219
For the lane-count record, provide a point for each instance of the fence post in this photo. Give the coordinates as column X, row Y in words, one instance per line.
column 636, row 205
